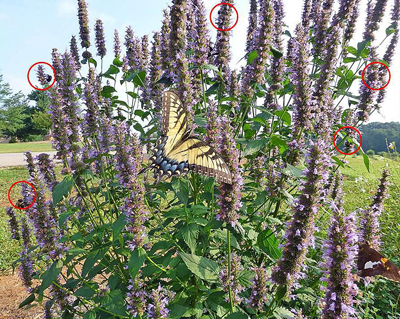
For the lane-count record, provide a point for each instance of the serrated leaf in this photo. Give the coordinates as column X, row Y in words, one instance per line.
column 136, row 261
column 91, row 314
column 391, row 29
column 202, row 267
column 85, row 291
column 117, row 62
column 177, row 311
column 253, row 146
column 281, row 312
column 252, row 56
column 190, row 233
column 361, row 46
column 267, row 241
column 62, row 189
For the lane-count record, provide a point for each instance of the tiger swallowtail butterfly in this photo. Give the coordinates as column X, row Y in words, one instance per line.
column 178, row 151
column 371, row 263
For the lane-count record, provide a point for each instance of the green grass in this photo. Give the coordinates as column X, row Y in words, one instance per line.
column 9, row 248
column 44, row 146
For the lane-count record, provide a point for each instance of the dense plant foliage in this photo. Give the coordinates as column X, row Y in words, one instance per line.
column 109, row 242
column 378, row 135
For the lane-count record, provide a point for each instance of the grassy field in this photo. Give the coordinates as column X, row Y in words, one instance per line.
column 358, row 194
column 44, row 146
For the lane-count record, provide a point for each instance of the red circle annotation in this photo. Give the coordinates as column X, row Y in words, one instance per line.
column 54, row 77
column 9, row 191
column 237, row 16
column 334, row 140
column 363, row 76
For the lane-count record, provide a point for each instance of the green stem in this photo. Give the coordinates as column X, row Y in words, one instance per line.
column 229, row 269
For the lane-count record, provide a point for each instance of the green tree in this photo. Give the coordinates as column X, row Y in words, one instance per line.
column 13, row 108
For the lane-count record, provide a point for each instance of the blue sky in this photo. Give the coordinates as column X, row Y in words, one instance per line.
column 30, row 29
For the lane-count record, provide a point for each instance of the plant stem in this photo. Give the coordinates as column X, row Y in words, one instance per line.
column 229, row 269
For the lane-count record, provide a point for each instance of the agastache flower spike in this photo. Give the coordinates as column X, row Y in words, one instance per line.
column 252, row 28
column 56, row 62
column 136, row 296
column 254, row 72
column 258, row 295
column 352, row 22
column 59, row 132
column 222, row 43
column 46, row 169
column 370, row 217
column 13, row 223
column 305, row 19
column 145, row 51
column 213, row 126
column 374, row 18
column 100, row 39
column 73, row 49
column 165, row 33
column 117, row 44
column 158, row 302
column 230, row 198
column 393, row 44
column 300, row 232
column 321, row 26
column 156, row 73
column 129, row 59
column 277, row 64
column 303, row 105
column 90, row 125
column 234, row 90
column 177, row 51
column 83, row 24
column 232, row 281
column 41, row 75
column 340, row 251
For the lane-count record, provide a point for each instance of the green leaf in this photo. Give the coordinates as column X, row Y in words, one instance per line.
column 91, row 314
column 277, row 141
column 361, row 46
column 252, row 55
column 63, row 217
column 202, row 267
column 338, row 161
column 93, row 61
column 352, row 50
column 108, row 89
column 91, row 260
column 213, row 68
column 349, row 60
column 118, row 226
column 181, row 189
column 253, row 146
column 281, row 312
column 75, row 251
column 177, row 311
column 112, row 70
column 136, row 261
column 139, row 78
column 85, row 291
column 292, row 171
column 276, row 53
column 391, row 29
column 50, row 275
column 133, row 94
column 269, row 244
column 114, row 302
column 366, row 161
column 28, row 300
column 237, row 315
column 190, row 233
column 62, row 189
column 117, row 62
column 284, row 116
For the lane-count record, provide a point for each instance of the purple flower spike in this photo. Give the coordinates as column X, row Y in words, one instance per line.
column 100, row 38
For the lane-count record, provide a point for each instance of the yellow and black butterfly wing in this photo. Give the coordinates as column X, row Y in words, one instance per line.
column 202, row 159
column 178, row 151
column 371, row 263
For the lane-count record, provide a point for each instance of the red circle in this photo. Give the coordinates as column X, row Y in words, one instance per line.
column 365, row 83
column 334, row 140
column 237, row 17
column 9, row 191
column 54, row 79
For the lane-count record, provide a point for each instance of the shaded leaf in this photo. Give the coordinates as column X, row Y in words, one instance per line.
column 202, row 267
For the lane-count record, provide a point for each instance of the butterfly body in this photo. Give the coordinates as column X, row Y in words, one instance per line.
column 178, row 151
column 371, row 263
